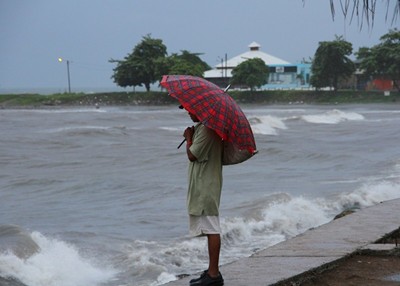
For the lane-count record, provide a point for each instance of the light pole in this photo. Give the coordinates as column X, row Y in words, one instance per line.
column 224, row 69
column 69, row 79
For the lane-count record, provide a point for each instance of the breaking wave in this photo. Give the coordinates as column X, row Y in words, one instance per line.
column 273, row 219
column 271, row 125
column 332, row 117
column 56, row 263
column 267, row 125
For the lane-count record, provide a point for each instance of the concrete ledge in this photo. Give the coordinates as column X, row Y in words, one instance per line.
column 379, row 247
column 314, row 249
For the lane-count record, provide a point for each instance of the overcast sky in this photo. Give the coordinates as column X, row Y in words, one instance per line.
column 34, row 34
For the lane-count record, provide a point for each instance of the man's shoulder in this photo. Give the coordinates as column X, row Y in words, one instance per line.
column 201, row 129
column 204, row 129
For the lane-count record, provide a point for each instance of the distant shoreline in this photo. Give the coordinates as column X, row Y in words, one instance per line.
column 162, row 98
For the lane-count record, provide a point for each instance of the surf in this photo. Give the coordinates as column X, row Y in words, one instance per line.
column 36, row 260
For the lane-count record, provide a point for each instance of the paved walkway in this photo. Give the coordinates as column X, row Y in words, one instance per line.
column 313, row 248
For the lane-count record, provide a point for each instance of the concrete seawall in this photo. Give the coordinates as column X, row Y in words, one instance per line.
column 313, row 249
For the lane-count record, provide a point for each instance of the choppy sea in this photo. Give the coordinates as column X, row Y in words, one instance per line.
column 97, row 196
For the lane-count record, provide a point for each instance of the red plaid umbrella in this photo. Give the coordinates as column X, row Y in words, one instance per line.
column 216, row 110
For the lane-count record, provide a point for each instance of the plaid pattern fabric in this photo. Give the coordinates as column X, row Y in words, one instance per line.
column 216, row 110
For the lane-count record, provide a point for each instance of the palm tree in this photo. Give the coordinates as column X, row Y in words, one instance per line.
column 364, row 10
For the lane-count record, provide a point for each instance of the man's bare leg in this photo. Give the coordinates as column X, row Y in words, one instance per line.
column 214, row 247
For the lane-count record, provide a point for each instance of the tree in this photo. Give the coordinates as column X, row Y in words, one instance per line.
column 185, row 63
column 382, row 59
column 142, row 65
column 252, row 73
column 194, row 59
column 331, row 63
column 364, row 9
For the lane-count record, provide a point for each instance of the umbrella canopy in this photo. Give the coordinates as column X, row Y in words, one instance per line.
column 217, row 111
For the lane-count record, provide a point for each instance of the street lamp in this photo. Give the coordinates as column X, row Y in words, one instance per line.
column 69, row 80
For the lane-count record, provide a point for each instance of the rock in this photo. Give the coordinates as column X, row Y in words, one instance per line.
column 344, row 213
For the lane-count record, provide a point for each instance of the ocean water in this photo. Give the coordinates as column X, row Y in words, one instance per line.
column 97, row 196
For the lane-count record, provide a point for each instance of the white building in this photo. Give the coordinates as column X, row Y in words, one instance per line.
column 282, row 73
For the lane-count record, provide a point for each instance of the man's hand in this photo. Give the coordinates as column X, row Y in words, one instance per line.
column 188, row 134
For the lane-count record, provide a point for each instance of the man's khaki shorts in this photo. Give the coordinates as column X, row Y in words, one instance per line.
column 203, row 225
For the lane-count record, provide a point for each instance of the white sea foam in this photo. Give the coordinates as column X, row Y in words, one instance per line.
column 266, row 125
column 164, row 278
column 271, row 223
column 275, row 219
column 144, row 260
column 60, row 110
column 371, row 193
column 56, row 264
column 332, row 117
column 174, row 129
column 89, row 130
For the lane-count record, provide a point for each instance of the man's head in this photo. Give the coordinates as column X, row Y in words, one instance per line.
column 192, row 116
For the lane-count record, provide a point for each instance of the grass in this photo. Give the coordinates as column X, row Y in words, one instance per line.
column 162, row 98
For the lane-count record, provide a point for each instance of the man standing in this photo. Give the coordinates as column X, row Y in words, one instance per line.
column 204, row 151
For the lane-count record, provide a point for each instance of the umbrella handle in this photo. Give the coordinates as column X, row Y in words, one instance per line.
column 226, row 88
column 183, row 141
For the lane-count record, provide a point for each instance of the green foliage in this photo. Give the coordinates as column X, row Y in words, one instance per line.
column 142, row 65
column 161, row 98
column 382, row 59
column 194, row 59
column 331, row 63
column 364, row 10
column 148, row 62
column 186, row 63
column 181, row 66
column 20, row 99
column 251, row 73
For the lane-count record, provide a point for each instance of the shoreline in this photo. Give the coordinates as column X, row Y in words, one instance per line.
column 312, row 257
column 98, row 100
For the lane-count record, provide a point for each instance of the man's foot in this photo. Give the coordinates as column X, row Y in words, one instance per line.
column 195, row 280
column 206, row 280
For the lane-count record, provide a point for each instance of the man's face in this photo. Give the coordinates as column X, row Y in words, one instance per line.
column 193, row 117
